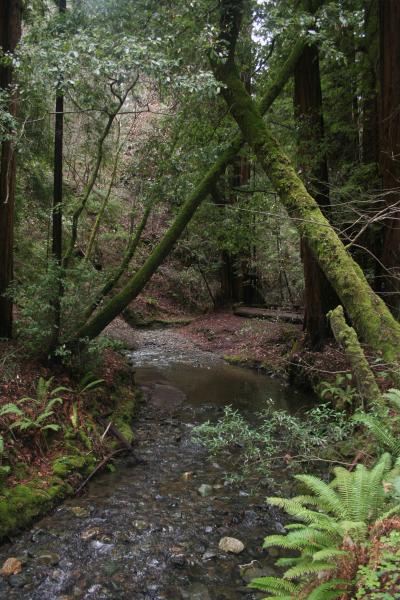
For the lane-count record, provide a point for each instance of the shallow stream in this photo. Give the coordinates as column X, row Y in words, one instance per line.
column 145, row 532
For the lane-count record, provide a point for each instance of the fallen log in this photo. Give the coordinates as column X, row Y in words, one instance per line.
column 267, row 313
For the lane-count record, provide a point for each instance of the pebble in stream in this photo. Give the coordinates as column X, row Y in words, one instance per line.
column 145, row 532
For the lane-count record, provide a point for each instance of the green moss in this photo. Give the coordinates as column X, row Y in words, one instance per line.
column 123, row 414
column 64, row 465
column 21, row 504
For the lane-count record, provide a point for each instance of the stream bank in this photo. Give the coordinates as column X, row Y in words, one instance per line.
column 56, row 466
column 147, row 532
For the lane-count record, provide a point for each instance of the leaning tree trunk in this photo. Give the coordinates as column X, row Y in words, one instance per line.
column 206, row 186
column 368, row 313
column 389, row 158
column 319, row 296
column 10, row 32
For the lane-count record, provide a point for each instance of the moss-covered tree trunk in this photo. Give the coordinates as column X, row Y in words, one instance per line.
column 346, row 336
column 206, row 186
column 369, row 315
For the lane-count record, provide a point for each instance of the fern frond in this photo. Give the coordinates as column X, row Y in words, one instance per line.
column 393, row 511
column 393, row 396
column 326, row 496
column 325, row 592
column 381, row 432
column 329, row 554
column 308, row 568
column 274, row 584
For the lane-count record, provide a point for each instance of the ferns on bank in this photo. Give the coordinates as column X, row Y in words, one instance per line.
column 334, row 524
column 381, row 428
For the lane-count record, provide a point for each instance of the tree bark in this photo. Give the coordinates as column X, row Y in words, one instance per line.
column 389, row 157
column 319, row 296
column 370, row 131
column 56, row 246
column 368, row 313
column 206, row 186
column 347, row 338
column 10, row 33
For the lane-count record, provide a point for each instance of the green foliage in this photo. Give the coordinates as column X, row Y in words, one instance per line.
column 88, row 383
column 341, row 393
column 38, row 410
column 278, row 439
column 35, row 303
column 332, row 525
column 385, row 427
column 380, row 580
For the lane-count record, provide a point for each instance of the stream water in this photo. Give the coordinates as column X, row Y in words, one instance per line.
column 145, row 532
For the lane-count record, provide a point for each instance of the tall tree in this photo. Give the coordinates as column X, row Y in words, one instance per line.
column 389, row 157
column 58, row 197
column 369, row 87
column 370, row 317
column 10, row 33
column 319, row 296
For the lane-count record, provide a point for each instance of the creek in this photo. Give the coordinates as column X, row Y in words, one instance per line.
column 144, row 532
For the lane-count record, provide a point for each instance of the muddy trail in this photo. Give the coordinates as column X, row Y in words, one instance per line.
column 151, row 531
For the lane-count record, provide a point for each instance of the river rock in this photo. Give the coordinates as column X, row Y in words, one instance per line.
column 178, row 560
column 90, row 533
column 12, row 566
column 205, row 490
column 49, row 558
column 254, row 569
column 229, row 544
column 208, row 555
column 80, row 511
column 19, row 580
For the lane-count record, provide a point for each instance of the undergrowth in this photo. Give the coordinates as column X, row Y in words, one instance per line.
column 277, row 439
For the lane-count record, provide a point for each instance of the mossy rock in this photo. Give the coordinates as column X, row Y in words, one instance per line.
column 65, row 465
column 23, row 503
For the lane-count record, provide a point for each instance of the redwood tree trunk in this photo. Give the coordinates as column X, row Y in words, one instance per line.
column 389, row 157
column 10, row 32
column 57, row 201
column 319, row 296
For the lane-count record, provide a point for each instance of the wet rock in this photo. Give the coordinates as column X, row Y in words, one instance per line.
column 39, row 535
column 209, row 555
column 253, row 570
column 12, row 566
column 111, row 567
column 90, row 533
column 140, row 525
column 197, row 591
column 19, row 581
column 279, row 527
column 48, row 558
column 232, row 545
column 178, row 560
column 79, row 511
column 205, row 490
